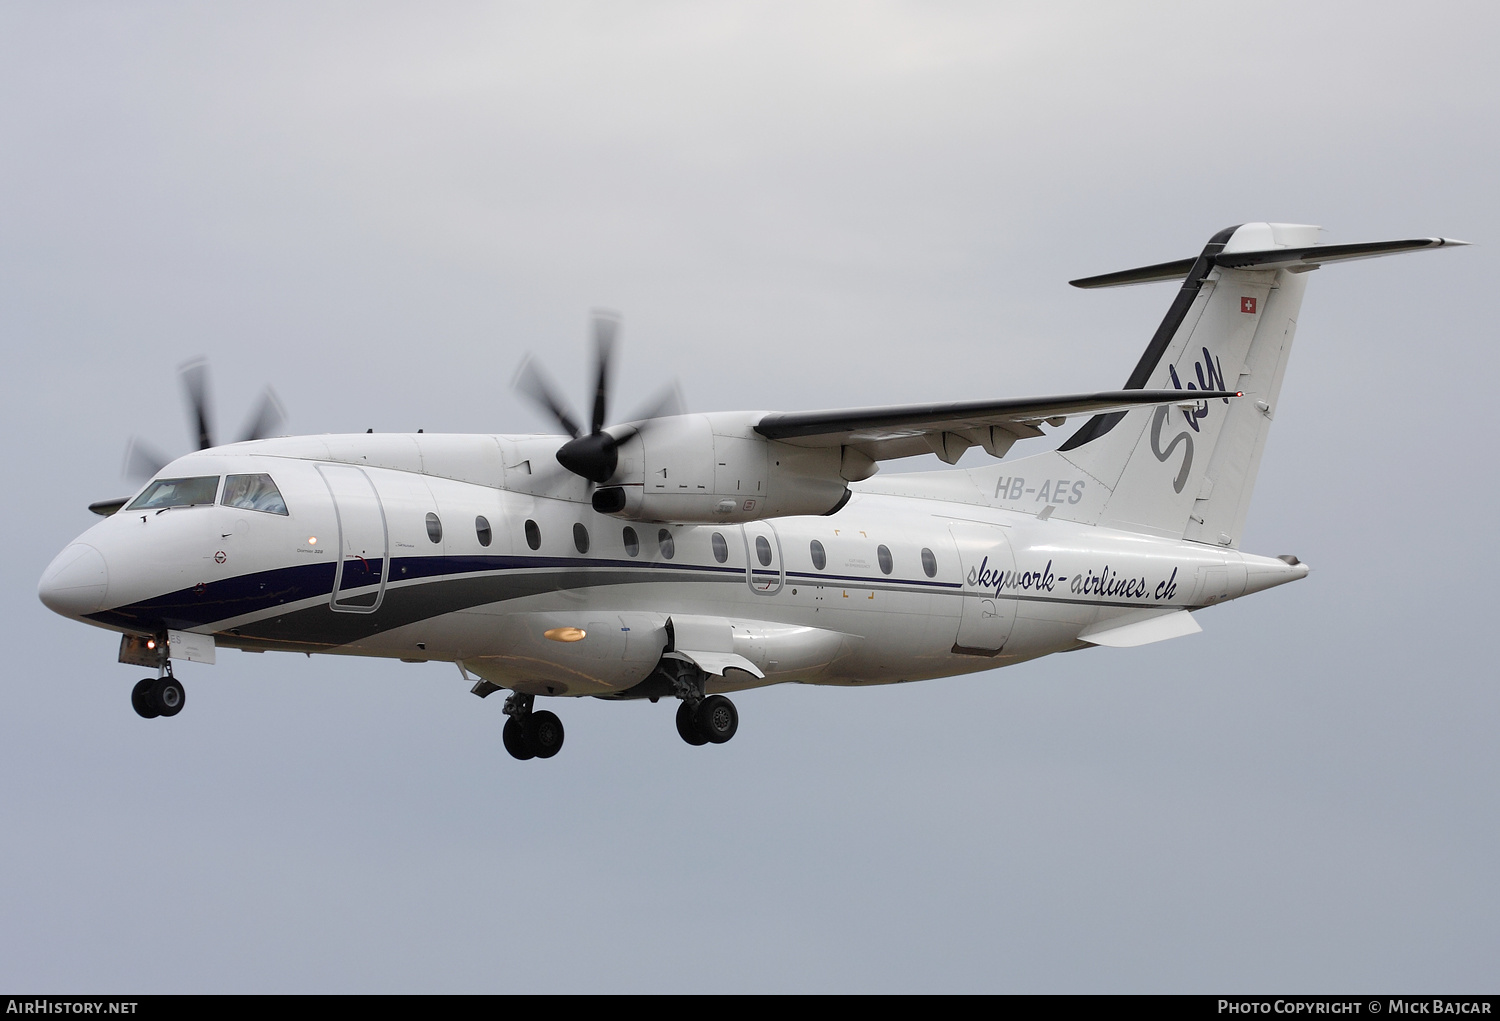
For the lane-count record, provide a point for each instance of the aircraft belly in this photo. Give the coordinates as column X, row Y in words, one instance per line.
column 615, row 650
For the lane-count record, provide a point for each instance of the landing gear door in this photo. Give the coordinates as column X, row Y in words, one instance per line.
column 989, row 612
column 360, row 576
column 764, row 570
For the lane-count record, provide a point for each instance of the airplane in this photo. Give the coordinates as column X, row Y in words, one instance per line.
column 686, row 556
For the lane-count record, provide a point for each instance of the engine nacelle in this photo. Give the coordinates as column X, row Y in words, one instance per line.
column 708, row 468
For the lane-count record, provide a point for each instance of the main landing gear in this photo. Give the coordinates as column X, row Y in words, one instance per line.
column 711, row 721
column 158, row 696
column 530, row 734
column 701, row 719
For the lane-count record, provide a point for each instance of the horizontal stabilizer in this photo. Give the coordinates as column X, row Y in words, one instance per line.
column 949, row 429
column 1144, row 275
column 1296, row 259
column 1125, row 633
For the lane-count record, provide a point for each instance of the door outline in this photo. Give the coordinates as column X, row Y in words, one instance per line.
column 752, row 562
column 344, row 558
column 986, row 619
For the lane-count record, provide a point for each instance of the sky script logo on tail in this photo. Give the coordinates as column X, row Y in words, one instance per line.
column 1210, row 373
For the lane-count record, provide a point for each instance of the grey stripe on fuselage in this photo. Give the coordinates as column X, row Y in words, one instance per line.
column 313, row 626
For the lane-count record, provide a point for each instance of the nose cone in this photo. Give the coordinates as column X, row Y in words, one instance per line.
column 75, row 582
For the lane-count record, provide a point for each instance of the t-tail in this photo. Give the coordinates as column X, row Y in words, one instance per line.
column 1187, row 471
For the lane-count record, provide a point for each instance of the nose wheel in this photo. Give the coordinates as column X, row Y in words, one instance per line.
column 158, row 696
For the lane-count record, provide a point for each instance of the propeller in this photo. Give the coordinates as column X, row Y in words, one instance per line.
column 143, row 460
column 594, row 455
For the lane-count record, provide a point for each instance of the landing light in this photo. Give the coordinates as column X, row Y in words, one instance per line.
column 566, row 634
column 151, row 643
column 312, row 540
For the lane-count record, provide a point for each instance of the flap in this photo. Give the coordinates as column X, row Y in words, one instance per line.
column 1130, row 631
column 949, row 429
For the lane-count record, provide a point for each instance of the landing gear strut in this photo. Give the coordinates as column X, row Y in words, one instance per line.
column 530, row 734
column 701, row 719
column 158, row 696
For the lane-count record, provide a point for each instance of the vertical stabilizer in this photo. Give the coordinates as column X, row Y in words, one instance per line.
column 1188, row 470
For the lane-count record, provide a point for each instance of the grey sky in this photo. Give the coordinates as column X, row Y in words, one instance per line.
column 380, row 208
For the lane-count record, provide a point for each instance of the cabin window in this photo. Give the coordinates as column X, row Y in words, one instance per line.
column 763, row 550
column 721, row 548
column 434, row 527
column 253, row 492
column 192, row 492
column 482, row 530
column 533, row 535
column 632, row 542
column 580, row 537
column 883, row 554
column 929, row 563
column 668, row 547
column 819, row 555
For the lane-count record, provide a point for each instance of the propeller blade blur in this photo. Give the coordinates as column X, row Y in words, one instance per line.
column 531, row 382
column 194, row 376
column 606, row 328
column 667, row 404
column 269, row 417
column 142, row 460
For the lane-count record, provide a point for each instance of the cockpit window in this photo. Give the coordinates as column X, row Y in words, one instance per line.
column 253, row 492
column 178, row 493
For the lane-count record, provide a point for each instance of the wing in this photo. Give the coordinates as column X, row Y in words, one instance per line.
column 949, row 429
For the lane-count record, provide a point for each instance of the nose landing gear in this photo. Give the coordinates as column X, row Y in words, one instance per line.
column 530, row 734
column 162, row 695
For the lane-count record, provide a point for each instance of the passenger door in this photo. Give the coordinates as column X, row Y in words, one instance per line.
column 360, row 576
column 764, row 570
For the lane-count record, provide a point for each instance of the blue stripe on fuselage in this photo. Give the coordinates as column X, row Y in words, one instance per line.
column 211, row 601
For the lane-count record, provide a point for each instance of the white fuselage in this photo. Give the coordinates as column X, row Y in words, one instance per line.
column 381, row 552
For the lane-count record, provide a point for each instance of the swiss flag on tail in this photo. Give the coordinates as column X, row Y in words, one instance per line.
column 1247, row 305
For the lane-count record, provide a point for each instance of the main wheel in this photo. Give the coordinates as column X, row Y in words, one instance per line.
column 687, row 727
column 544, row 732
column 140, row 699
column 514, row 736
column 166, row 696
column 717, row 719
